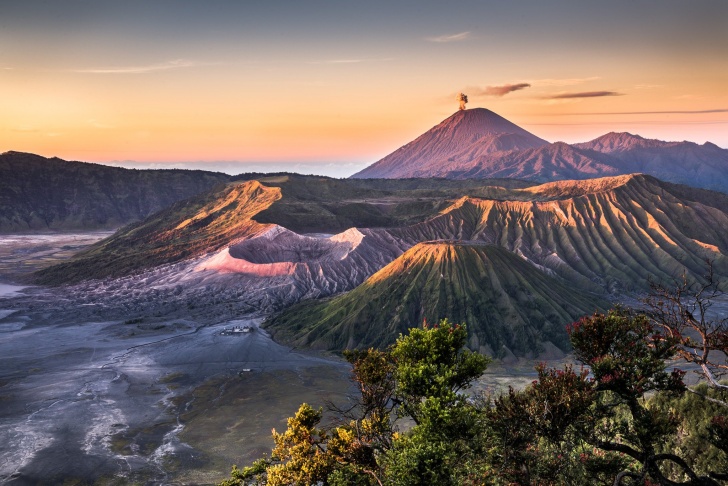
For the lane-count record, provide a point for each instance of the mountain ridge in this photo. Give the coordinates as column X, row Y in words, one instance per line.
column 604, row 235
column 52, row 194
column 615, row 153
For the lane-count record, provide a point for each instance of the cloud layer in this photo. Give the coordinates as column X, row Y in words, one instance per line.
column 450, row 38
column 502, row 90
column 150, row 68
column 582, row 94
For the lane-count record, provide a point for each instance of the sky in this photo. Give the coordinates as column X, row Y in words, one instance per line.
column 330, row 87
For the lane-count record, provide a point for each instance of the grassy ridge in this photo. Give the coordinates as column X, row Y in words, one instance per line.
column 505, row 301
column 323, row 205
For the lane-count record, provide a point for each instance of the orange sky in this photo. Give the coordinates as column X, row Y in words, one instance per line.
column 325, row 83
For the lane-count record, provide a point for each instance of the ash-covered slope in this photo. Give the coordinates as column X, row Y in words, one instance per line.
column 508, row 304
column 557, row 161
column 611, row 233
column 37, row 193
column 454, row 143
column 186, row 230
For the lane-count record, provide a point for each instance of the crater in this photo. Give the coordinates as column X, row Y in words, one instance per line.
column 280, row 245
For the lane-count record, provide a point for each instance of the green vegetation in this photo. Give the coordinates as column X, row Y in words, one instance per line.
column 626, row 421
column 509, row 305
column 320, row 204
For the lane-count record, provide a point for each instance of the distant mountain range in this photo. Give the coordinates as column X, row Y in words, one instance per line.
column 37, row 193
column 478, row 143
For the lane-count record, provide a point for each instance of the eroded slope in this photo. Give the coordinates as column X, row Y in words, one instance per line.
column 508, row 304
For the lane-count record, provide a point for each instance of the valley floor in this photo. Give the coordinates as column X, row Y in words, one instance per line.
column 85, row 396
column 129, row 383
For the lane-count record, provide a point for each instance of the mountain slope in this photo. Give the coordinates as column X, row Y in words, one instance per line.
column 218, row 218
column 507, row 303
column 187, row 229
column 603, row 235
column 557, row 161
column 611, row 233
column 703, row 166
column 457, row 140
column 37, row 193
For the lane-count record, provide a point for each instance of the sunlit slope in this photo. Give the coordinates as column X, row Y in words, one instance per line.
column 610, row 234
column 306, row 204
column 185, row 230
column 504, row 300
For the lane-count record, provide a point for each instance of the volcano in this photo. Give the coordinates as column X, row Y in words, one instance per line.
column 508, row 304
column 453, row 144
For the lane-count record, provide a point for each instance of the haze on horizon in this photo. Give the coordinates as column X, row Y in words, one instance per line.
column 330, row 87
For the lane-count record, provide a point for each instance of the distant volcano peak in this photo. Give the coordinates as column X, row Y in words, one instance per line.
column 457, row 140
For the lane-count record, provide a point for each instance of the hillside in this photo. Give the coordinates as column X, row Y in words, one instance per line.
column 603, row 235
column 610, row 234
column 39, row 194
column 508, row 304
column 224, row 215
column 478, row 143
column 185, row 230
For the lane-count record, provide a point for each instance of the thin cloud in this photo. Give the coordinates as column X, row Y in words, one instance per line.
column 582, row 94
column 450, row 38
column 502, row 90
column 149, row 68
column 25, row 128
column 688, row 97
column 563, row 81
column 350, row 61
column 664, row 112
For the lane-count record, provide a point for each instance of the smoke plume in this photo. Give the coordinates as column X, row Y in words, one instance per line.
column 462, row 98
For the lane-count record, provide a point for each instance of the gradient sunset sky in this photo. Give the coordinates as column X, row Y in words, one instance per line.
column 330, row 87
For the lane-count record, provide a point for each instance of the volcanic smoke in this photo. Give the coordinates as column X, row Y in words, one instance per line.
column 462, row 98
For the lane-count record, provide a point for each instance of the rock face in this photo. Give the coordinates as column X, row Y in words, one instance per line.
column 478, row 143
column 508, row 304
column 453, row 144
column 37, row 193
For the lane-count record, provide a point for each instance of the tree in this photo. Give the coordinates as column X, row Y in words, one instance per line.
column 626, row 354
column 682, row 310
column 421, row 378
column 537, row 435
